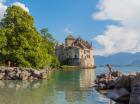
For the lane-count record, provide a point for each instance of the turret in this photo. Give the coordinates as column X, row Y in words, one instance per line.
column 69, row 40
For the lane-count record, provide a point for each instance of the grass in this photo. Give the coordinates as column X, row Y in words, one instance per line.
column 70, row 67
column 74, row 67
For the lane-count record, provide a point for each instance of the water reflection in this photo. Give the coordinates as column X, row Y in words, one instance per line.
column 18, row 92
column 87, row 78
column 75, row 90
column 18, row 85
column 63, row 87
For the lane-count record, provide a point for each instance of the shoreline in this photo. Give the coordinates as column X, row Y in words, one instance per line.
column 18, row 73
column 123, row 88
column 76, row 67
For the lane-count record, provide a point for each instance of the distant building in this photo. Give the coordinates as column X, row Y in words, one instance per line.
column 75, row 52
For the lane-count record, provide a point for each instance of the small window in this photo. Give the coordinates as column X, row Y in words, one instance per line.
column 88, row 56
column 75, row 56
column 85, row 51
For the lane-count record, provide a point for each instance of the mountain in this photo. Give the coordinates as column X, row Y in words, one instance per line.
column 119, row 59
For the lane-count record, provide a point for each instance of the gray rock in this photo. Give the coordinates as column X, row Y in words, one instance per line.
column 135, row 90
column 16, row 73
column 119, row 95
column 117, row 74
column 123, row 82
column 24, row 75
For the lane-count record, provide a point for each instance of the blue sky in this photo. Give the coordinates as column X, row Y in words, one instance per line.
column 111, row 27
column 57, row 15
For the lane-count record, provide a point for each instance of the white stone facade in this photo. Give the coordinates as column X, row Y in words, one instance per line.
column 76, row 52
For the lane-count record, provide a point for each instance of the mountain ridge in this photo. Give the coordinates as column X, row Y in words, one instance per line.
column 118, row 59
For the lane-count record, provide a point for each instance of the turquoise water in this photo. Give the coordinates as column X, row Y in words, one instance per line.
column 62, row 87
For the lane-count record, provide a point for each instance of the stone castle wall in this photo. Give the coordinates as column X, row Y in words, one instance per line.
column 69, row 54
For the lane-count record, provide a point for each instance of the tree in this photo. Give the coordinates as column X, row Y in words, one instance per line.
column 20, row 43
column 50, row 43
column 22, row 37
column 44, row 31
column 46, row 34
column 3, row 42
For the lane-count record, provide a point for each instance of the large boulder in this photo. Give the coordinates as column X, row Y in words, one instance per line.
column 24, row 75
column 123, row 82
column 135, row 90
column 111, row 84
column 36, row 74
column 11, row 76
column 119, row 95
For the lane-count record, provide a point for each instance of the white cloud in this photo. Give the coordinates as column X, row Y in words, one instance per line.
column 124, row 38
column 2, row 10
column 2, row 1
column 21, row 5
column 4, row 7
column 67, row 30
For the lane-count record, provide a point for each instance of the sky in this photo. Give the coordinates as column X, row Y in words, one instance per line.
column 111, row 25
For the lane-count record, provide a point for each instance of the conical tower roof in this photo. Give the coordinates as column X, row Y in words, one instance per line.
column 70, row 37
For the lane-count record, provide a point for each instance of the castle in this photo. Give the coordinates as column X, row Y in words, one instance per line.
column 75, row 52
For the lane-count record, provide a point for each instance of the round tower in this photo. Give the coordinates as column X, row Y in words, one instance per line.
column 69, row 40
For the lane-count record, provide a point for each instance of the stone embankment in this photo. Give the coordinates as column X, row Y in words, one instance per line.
column 16, row 73
column 124, row 89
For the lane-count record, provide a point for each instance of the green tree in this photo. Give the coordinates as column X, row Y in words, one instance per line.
column 44, row 31
column 3, row 42
column 50, row 43
column 20, row 42
column 46, row 34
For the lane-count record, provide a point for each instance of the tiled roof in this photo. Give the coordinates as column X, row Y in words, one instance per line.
column 81, row 44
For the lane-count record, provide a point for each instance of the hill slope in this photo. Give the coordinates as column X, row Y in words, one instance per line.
column 119, row 59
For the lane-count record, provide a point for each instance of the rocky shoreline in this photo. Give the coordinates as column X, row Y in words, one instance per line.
column 16, row 73
column 123, row 88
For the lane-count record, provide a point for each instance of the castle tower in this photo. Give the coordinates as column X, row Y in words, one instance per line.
column 69, row 40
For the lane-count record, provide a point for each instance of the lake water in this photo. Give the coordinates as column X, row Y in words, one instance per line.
column 62, row 87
